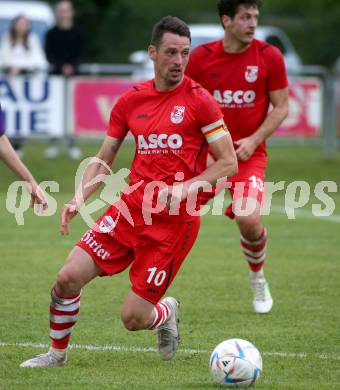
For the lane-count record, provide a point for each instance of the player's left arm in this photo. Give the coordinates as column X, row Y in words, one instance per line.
column 225, row 165
column 246, row 146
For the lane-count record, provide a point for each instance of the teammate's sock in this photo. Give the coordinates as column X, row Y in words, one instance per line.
column 255, row 251
column 161, row 313
column 63, row 316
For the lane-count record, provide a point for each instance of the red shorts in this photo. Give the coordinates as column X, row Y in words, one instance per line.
column 247, row 183
column 155, row 251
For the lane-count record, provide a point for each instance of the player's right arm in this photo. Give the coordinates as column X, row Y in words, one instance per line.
column 95, row 173
column 99, row 167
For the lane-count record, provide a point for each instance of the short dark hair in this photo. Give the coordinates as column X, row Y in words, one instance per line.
column 170, row 24
column 230, row 7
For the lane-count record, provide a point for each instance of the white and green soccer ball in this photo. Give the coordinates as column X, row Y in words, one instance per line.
column 235, row 363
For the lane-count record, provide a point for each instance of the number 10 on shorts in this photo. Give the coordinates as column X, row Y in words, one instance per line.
column 157, row 277
column 257, row 183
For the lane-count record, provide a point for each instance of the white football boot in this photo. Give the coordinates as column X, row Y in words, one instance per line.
column 263, row 301
column 48, row 359
column 168, row 333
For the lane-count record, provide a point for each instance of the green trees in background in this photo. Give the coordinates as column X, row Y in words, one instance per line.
column 115, row 28
column 312, row 25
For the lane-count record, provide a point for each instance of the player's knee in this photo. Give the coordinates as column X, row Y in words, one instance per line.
column 66, row 282
column 69, row 279
column 131, row 320
column 250, row 227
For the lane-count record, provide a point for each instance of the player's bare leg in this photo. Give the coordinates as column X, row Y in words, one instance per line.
column 253, row 243
column 78, row 270
column 137, row 314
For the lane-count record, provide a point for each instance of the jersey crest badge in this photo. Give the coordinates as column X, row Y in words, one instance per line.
column 251, row 73
column 177, row 114
column 107, row 224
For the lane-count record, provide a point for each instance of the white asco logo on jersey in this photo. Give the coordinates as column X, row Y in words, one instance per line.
column 251, row 73
column 161, row 141
column 238, row 97
column 177, row 114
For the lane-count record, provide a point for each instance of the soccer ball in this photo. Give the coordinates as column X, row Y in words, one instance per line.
column 235, row 363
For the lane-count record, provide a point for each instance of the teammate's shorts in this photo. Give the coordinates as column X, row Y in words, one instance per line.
column 247, row 183
column 155, row 252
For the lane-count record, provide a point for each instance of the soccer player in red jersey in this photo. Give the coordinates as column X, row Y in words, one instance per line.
column 172, row 119
column 11, row 159
column 245, row 75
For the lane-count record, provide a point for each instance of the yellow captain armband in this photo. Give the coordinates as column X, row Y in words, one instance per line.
column 215, row 130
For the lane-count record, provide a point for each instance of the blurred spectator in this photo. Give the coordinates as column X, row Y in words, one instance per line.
column 64, row 51
column 20, row 50
column 21, row 53
column 64, row 41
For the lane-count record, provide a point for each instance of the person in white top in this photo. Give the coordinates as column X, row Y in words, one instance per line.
column 20, row 50
column 21, row 53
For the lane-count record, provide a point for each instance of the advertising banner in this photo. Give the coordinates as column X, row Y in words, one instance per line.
column 33, row 106
column 91, row 102
column 305, row 109
column 93, row 98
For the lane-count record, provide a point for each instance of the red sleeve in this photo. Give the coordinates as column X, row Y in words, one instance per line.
column 208, row 110
column 118, row 126
column 277, row 71
column 191, row 69
column 210, row 117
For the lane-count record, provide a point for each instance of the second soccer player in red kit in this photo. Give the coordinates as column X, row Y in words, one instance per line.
column 172, row 119
column 245, row 76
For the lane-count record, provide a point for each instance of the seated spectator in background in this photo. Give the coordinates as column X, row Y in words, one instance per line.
column 21, row 53
column 20, row 50
column 64, row 41
column 64, row 51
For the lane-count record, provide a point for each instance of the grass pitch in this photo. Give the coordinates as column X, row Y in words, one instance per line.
column 299, row 340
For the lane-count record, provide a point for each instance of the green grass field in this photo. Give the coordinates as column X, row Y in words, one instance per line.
column 299, row 339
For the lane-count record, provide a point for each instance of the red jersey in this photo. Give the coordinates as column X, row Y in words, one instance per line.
column 240, row 82
column 171, row 130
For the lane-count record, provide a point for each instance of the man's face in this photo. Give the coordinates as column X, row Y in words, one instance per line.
column 170, row 58
column 64, row 11
column 243, row 25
